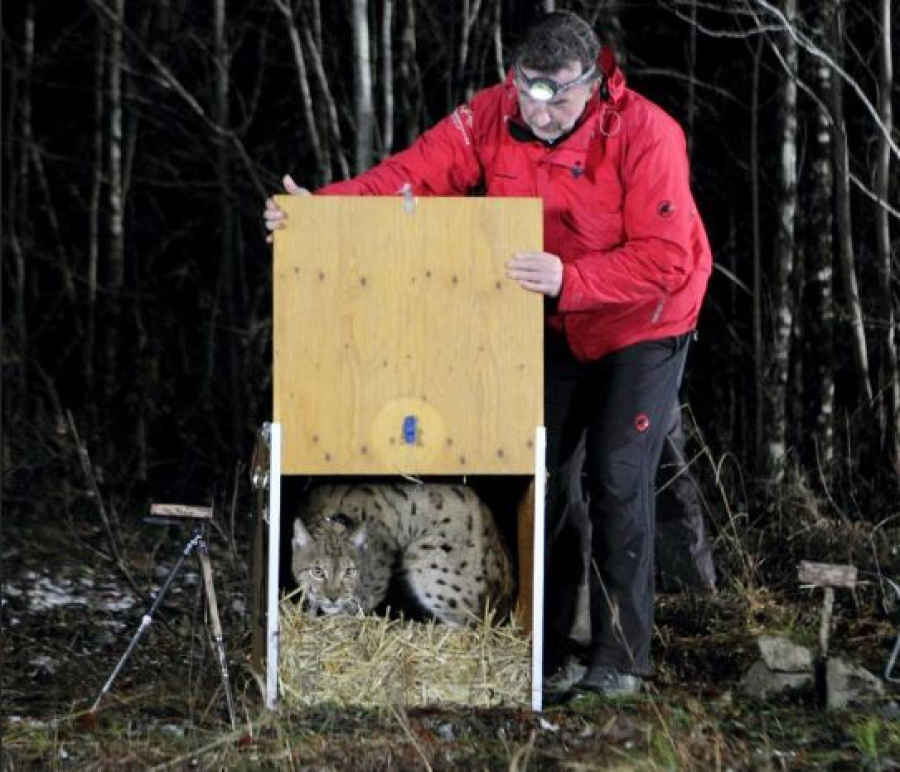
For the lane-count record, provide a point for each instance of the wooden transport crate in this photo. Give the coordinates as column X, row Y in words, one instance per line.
column 400, row 348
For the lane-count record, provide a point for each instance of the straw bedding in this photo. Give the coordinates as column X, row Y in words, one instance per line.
column 376, row 661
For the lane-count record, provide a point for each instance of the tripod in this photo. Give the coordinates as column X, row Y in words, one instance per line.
column 198, row 543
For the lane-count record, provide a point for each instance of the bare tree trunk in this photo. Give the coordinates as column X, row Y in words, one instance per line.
column 19, row 181
column 410, row 77
column 315, row 26
column 362, row 85
column 313, row 142
column 889, row 378
column 115, row 275
column 333, row 125
column 783, row 256
column 822, row 318
column 497, row 40
column 143, row 383
column 853, row 310
column 88, row 349
column 227, row 289
column 691, row 78
column 387, row 77
column 165, row 76
column 18, row 229
column 759, row 365
column 470, row 11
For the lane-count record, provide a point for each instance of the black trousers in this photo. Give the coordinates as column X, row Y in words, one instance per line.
column 683, row 553
column 622, row 403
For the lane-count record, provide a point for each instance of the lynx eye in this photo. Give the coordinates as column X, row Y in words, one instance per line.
column 317, row 573
column 349, row 573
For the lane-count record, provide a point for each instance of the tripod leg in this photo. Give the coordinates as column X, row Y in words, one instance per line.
column 145, row 621
column 213, row 606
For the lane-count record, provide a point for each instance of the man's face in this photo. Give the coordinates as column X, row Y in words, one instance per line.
column 550, row 119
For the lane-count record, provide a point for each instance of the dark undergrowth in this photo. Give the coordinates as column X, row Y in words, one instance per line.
column 76, row 585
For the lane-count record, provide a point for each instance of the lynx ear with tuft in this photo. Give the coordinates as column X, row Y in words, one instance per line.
column 302, row 537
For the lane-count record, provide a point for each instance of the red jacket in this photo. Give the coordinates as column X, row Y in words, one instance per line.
column 618, row 209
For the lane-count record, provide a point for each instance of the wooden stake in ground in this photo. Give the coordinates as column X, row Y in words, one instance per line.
column 829, row 576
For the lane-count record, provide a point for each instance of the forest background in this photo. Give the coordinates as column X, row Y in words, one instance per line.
column 140, row 140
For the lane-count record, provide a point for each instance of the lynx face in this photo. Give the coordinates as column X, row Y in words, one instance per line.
column 325, row 567
column 437, row 542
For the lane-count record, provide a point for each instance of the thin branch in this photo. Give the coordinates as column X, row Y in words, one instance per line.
column 725, row 93
column 88, row 469
column 740, row 34
column 318, row 69
column 306, row 100
column 814, row 50
column 172, row 82
column 817, row 100
column 808, row 45
column 872, row 196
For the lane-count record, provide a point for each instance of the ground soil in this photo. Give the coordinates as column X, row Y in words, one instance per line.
column 69, row 611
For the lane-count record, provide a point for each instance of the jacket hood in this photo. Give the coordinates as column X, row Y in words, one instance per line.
column 615, row 78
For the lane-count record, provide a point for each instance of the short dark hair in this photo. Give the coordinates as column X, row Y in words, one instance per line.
column 555, row 40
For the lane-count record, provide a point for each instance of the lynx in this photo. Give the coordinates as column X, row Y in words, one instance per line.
column 437, row 542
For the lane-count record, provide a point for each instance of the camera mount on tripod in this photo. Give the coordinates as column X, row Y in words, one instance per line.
column 198, row 517
column 178, row 514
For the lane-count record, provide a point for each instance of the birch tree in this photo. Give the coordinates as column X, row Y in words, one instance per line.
column 362, row 85
column 115, row 252
column 759, row 364
column 311, row 140
column 468, row 26
column 333, row 148
column 410, row 79
column 888, row 375
column 783, row 256
column 822, row 318
column 387, row 76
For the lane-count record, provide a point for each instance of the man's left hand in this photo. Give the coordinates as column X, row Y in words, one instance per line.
column 536, row 272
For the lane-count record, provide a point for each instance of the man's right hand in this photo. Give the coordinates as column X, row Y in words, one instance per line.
column 275, row 217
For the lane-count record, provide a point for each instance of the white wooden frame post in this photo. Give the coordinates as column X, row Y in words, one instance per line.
column 537, row 598
column 273, row 627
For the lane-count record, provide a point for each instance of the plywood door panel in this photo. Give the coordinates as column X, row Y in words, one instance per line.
column 400, row 347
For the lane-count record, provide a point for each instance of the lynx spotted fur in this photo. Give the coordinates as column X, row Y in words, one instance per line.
column 439, row 541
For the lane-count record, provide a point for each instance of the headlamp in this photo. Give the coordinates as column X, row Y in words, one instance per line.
column 543, row 89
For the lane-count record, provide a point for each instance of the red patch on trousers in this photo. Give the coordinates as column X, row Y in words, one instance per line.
column 642, row 422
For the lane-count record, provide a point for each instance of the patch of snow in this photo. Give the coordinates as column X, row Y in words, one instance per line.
column 44, row 593
column 43, row 664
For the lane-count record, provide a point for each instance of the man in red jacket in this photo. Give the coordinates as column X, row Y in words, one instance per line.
column 624, row 272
